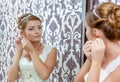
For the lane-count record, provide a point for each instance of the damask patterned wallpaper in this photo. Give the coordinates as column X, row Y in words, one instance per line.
column 62, row 27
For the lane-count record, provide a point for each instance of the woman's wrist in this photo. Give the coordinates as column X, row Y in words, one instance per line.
column 19, row 50
column 16, row 60
column 96, row 63
column 32, row 51
column 17, row 57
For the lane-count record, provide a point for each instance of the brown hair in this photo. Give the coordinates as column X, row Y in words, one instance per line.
column 25, row 18
column 106, row 17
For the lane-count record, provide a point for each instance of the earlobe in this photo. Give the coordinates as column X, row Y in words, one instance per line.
column 22, row 33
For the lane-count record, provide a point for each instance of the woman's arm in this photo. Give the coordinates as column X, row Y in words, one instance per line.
column 83, row 70
column 94, row 72
column 44, row 69
column 13, row 71
column 98, row 49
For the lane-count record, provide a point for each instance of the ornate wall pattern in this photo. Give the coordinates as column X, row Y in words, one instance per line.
column 62, row 27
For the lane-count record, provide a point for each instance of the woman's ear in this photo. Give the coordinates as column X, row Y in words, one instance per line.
column 96, row 32
column 22, row 33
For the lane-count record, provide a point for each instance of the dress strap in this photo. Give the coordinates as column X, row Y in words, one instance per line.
column 47, row 49
column 112, row 66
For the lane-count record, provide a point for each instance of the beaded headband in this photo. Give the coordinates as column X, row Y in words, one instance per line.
column 24, row 18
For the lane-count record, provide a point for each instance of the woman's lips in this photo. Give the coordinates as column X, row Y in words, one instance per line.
column 38, row 36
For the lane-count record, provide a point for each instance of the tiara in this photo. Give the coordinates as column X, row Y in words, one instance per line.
column 24, row 18
column 94, row 12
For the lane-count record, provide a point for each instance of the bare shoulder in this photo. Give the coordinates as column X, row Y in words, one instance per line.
column 114, row 76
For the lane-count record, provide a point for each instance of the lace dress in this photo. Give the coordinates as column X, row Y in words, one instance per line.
column 110, row 68
column 27, row 70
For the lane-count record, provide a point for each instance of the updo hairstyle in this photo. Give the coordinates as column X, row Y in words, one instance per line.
column 25, row 18
column 106, row 17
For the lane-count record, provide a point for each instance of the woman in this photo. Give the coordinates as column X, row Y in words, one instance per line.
column 33, row 60
column 102, row 48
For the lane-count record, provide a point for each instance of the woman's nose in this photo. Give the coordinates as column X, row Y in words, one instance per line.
column 37, row 31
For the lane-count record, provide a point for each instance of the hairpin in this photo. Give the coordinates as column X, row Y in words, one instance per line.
column 94, row 12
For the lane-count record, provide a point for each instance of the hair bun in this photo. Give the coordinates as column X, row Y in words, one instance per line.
column 114, row 16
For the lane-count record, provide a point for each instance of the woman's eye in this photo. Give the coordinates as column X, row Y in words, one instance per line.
column 40, row 27
column 31, row 29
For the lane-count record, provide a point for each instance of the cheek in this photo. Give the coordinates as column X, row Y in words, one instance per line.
column 28, row 35
column 88, row 35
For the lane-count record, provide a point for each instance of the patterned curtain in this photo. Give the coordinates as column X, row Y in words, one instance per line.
column 63, row 27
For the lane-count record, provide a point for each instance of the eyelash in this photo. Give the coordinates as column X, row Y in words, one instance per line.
column 30, row 29
column 40, row 27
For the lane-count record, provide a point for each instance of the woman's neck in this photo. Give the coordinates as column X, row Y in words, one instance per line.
column 112, row 49
column 36, row 45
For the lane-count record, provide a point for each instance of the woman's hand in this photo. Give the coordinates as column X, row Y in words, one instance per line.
column 98, row 50
column 87, row 49
column 18, row 44
column 26, row 44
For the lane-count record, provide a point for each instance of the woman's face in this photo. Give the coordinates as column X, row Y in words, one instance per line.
column 89, row 34
column 33, row 30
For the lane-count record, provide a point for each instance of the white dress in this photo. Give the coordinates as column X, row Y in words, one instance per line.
column 110, row 68
column 27, row 70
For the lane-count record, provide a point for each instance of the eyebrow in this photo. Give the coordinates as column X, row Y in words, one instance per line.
column 34, row 26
